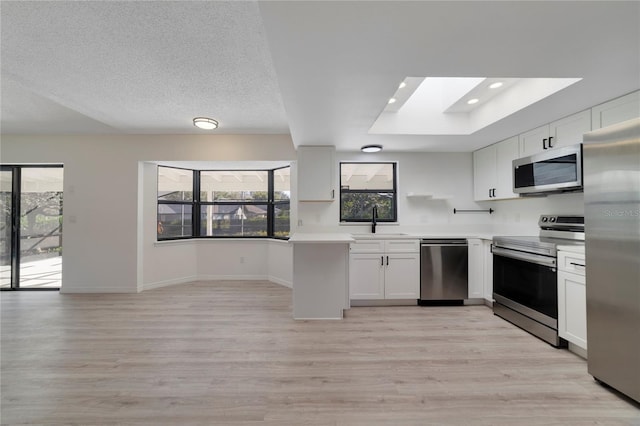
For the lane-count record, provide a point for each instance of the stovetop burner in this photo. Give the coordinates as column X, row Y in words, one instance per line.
column 554, row 231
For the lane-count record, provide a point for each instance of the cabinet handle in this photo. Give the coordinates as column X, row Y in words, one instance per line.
column 550, row 137
column 490, row 192
column 544, row 143
column 381, row 260
column 577, row 264
column 333, row 194
column 387, row 260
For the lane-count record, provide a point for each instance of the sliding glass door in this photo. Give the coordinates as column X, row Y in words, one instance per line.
column 6, row 227
column 31, row 227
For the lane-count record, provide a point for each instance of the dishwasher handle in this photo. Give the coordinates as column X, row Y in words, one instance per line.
column 441, row 243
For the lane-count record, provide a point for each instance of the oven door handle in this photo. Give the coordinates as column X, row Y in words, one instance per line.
column 527, row 257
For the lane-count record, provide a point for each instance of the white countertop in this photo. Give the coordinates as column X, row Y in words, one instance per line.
column 321, row 238
column 416, row 235
column 571, row 248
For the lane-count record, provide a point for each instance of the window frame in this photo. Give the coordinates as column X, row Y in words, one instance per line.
column 191, row 203
column 197, row 205
column 394, row 218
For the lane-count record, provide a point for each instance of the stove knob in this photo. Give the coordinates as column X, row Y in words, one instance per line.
column 544, row 218
column 552, row 219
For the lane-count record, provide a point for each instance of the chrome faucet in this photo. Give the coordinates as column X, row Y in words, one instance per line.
column 374, row 216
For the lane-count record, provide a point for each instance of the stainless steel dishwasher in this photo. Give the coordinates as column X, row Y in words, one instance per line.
column 444, row 269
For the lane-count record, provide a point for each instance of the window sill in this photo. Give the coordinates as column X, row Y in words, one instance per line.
column 216, row 240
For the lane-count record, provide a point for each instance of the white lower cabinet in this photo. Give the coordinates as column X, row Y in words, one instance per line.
column 480, row 269
column 402, row 276
column 572, row 299
column 488, row 270
column 476, row 269
column 366, row 276
column 393, row 272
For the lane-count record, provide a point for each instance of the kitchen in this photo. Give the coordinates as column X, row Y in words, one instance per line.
column 429, row 167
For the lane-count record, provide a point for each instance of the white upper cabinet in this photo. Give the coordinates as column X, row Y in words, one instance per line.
column 616, row 111
column 566, row 131
column 569, row 130
column 492, row 170
column 484, row 172
column 534, row 141
column 316, row 173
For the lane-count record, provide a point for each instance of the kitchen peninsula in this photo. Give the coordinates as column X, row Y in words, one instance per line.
column 320, row 275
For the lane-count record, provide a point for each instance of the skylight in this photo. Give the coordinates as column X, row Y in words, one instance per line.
column 460, row 105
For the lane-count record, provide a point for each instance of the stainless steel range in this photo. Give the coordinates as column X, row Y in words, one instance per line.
column 525, row 280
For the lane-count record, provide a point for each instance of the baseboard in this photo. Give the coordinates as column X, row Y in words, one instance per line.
column 280, row 281
column 66, row 289
column 383, row 302
column 165, row 283
column 232, row 278
column 184, row 280
column 577, row 350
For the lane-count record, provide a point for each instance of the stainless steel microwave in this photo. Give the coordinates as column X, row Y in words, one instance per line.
column 555, row 170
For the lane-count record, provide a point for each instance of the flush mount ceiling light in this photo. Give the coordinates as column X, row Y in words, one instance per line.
column 392, row 101
column 473, row 101
column 495, row 85
column 205, row 123
column 402, row 85
column 371, row 148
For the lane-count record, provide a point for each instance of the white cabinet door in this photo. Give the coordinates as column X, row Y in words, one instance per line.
column 616, row 111
column 572, row 308
column 569, row 130
column 506, row 151
column 484, row 173
column 366, row 276
column 476, row 269
column 492, row 170
column 488, row 270
column 563, row 132
column 316, row 173
column 534, row 141
column 402, row 276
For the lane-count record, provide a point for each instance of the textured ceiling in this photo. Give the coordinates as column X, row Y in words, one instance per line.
column 136, row 67
column 321, row 71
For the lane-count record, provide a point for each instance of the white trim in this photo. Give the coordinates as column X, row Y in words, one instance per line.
column 166, row 283
column 233, row 278
column 67, row 289
column 280, row 281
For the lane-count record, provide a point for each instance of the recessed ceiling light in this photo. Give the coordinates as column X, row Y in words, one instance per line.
column 402, row 85
column 392, row 100
column 473, row 101
column 495, row 85
column 205, row 123
column 371, row 148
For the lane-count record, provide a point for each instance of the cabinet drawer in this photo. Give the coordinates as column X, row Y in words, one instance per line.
column 367, row 246
column 402, row 246
column 571, row 262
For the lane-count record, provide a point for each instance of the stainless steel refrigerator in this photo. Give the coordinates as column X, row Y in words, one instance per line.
column 611, row 168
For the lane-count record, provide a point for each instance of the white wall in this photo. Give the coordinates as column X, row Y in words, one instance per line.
column 108, row 229
column 110, row 218
column 280, row 265
column 439, row 174
column 436, row 173
column 521, row 215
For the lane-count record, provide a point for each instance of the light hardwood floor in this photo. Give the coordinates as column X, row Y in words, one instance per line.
column 229, row 353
